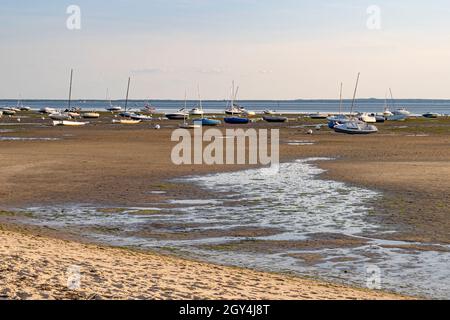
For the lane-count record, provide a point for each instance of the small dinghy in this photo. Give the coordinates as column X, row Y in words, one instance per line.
column 355, row 127
column 69, row 123
column 126, row 121
column 275, row 119
column 208, row 122
column 91, row 115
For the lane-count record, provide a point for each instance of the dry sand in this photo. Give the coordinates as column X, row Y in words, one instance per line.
column 118, row 166
column 35, row 267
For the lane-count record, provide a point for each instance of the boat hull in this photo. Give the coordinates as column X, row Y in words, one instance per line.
column 208, row 122
column 176, row 116
column 91, row 115
column 275, row 119
column 234, row 120
column 126, row 121
column 341, row 129
column 69, row 123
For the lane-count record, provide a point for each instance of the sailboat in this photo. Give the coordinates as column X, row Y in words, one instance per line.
column 233, row 119
column 63, row 122
column 185, row 124
column 111, row 107
column 400, row 114
column 205, row 121
column 355, row 126
column 340, row 118
column 127, row 121
column 21, row 107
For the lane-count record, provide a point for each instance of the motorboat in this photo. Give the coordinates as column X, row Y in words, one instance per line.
column 402, row 111
column 367, row 118
column 179, row 115
column 355, row 127
column 269, row 112
column 196, row 112
column 431, row 115
column 141, row 117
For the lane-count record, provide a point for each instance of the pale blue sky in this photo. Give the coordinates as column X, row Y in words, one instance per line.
column 283, row 49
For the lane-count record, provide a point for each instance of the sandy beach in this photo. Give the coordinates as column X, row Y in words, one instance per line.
column 116, row 166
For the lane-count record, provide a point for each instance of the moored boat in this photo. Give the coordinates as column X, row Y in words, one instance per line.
column 275, row 119
column 355, row 127
column 126, row 121
column 197, row 111
column 90, row 115
column 207, row 122
column 319, row 115
column 431, row 115
column 179, row 115
column 47, row 110
column 236, row 120
column 141, row 117
column 68, row 123
column 59, row 116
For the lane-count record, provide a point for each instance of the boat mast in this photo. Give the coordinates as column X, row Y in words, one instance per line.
column 200, row 100
column 128, row 91
column 340, row 100
column 354, row 94
column 392, row 98
column 70, row 87
column 232, row 99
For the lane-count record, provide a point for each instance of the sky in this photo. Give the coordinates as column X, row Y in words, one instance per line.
column 272, row 49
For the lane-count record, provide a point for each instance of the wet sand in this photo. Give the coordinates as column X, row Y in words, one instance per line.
column 114, row 165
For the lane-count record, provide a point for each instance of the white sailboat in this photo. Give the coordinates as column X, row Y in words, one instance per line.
column 111, row 107
column 185, row 124
column 127, row 121
column 61, row 121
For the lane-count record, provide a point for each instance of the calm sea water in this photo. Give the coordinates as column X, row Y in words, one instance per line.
column 293, row 106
